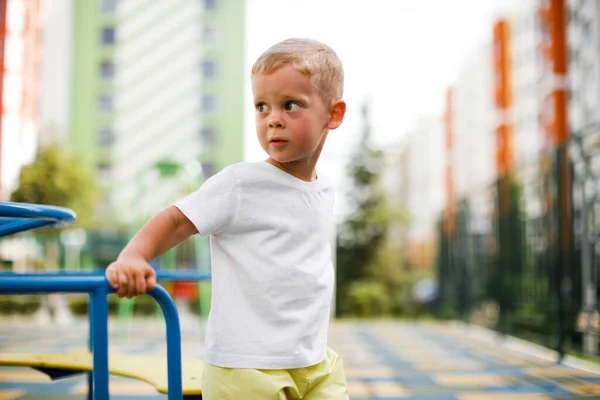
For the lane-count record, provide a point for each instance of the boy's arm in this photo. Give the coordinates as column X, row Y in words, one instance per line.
column 131, row 274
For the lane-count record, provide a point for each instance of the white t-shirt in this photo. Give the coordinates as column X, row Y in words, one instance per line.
column 272, row 276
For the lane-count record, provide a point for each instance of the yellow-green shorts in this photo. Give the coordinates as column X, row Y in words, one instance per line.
column 325, row 380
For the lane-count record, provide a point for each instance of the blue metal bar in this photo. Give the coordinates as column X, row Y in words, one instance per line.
column 36, row 211
column 100, row 349
column 174, row 377
column 98, row 288
column 29, row 216
column 174, row 276
column 178, row 276
column 19, row 225
column 90, row 375
column 50, row 283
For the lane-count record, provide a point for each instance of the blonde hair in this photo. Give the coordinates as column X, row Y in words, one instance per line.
column 313, row 59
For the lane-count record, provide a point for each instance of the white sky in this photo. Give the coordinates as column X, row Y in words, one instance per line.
column 401, row 55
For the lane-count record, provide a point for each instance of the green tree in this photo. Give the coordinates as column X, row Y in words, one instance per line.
column 369, row 272
column 57, row 178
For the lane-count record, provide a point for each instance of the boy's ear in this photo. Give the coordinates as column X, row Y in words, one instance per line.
column 336, row 116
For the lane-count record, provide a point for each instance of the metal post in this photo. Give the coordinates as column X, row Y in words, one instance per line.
column 588, row 284
column 90, row 375
column 590, row 341
column 100, row 343
column 169, row 310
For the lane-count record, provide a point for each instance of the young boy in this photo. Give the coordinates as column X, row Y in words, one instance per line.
column 269, row 225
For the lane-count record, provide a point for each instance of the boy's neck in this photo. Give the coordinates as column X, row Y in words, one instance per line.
column 302, row 171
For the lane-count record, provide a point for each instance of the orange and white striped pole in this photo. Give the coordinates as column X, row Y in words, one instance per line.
column 553, row 120
column 553, row 51
column 553, row 114
column 503, row 98
column 503, row 103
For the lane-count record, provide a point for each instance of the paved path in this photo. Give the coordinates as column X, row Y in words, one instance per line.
column 383, row 360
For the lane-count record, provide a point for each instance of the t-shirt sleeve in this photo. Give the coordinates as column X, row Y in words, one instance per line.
column 211, row 208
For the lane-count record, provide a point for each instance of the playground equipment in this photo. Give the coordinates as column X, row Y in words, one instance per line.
column 186, row 178
column 167, row 376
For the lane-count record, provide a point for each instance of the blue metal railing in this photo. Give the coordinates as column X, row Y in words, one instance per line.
column 172, row 276
column 17, row 217
column 98, row 288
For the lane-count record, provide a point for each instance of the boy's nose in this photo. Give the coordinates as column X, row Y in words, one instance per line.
column 275, row 122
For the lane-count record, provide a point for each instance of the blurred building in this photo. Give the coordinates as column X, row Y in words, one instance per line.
column 476, row 118
column 470, row 148
column 583, row 37
column 475, row 115
column 394, row 179
column 420, row 163
column 56, row 68
column 131, row 84
column 20, row 25
column 525, row 66
column 178, row 73
column 472, row 155
column 92, row 102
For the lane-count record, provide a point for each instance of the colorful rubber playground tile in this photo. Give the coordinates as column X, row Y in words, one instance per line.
column 383, row 360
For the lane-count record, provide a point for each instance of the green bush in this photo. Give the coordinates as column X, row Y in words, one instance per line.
column 144, row 305
column 21, row 304
column 368, row 299
column 78, row 304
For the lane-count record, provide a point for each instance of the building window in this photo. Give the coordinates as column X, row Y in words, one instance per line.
column 210, row 36
column 208, row 169
column 104, row 172
column 108, row 36
column 107, row 70
column 207, row 136
column 209, row 69
column 105, row 103
column 209, row 103
column 588, row 33
column 108, row 6
column 106, row 137
column 209, row 5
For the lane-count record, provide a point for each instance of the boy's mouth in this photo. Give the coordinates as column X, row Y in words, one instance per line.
column 276, row 142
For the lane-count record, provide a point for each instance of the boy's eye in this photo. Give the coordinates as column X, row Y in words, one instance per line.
column 261, row 107
column 291, row 106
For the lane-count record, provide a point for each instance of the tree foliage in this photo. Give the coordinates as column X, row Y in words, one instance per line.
column 369, row 274
column 58, row 178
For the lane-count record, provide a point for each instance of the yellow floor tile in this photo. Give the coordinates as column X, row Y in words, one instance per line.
column 379, row 372
column 450, row 366
column 583, row 388
column 512, row 361
column 358, row 389
column 77, row 349
column 425, row 353
column 366, row 358
column 23, row 375
column 387, row 389
column 415, row 345
column 121, row 387
column 471, row 380
column 490, row 396
column 554, row 372
column 11, row 395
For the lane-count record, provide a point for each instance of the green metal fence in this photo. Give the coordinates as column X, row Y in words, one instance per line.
column 523, row 257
